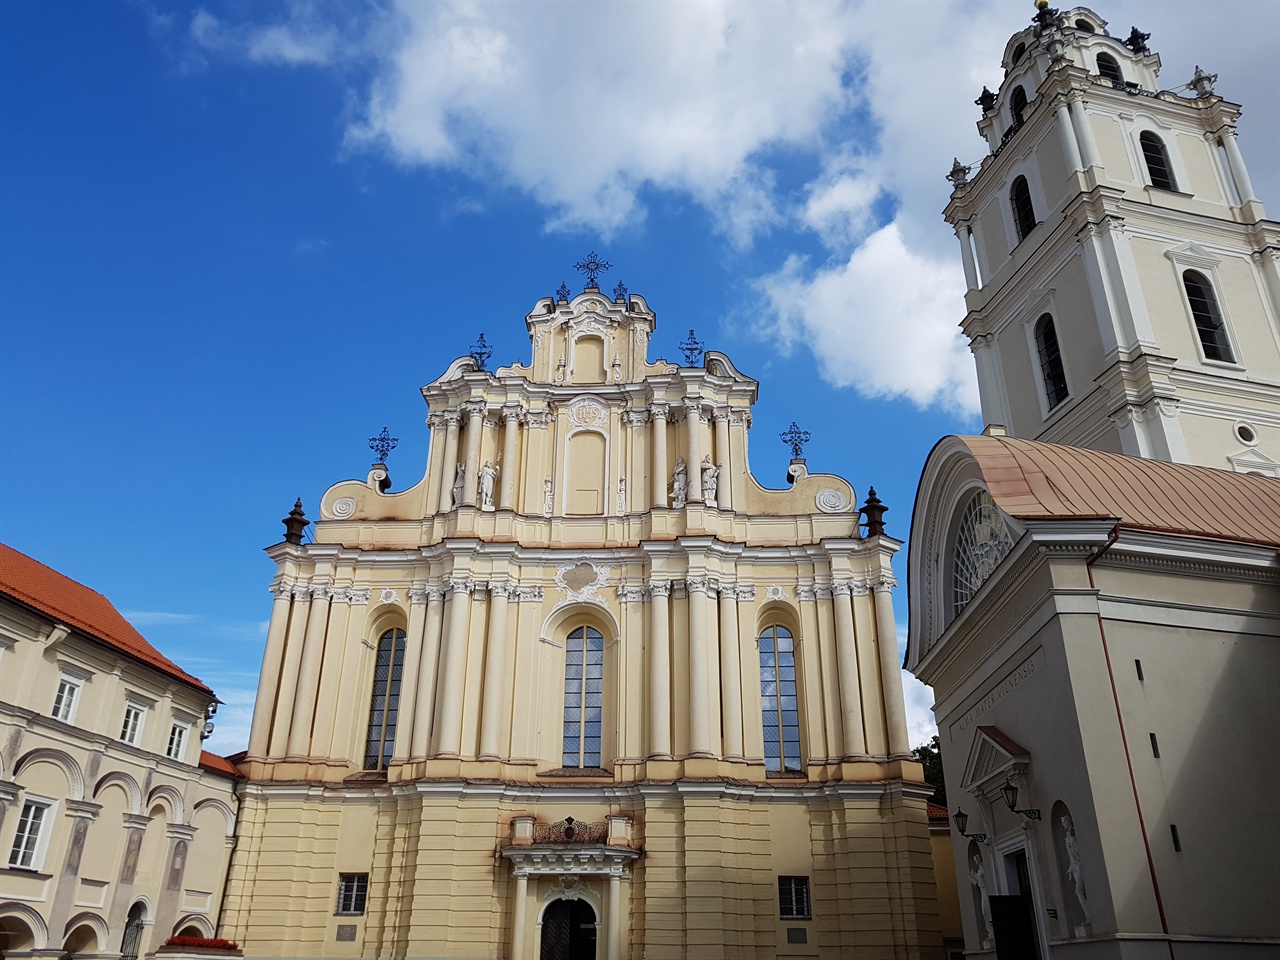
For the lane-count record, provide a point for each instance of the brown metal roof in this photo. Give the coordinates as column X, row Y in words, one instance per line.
column 1032, row 480
column 66, row 601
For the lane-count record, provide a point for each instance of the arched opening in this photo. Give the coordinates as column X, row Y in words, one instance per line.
column 568, row 931
column 384, row 702
column 1066, row 848
column 585, row 474
column 1085, row 26
column 82, row 940
column 583, row 697
column 1024, row 215
column 1158, row 167
column 779, row 703
column 15, row 935
column 1207, row 316
column 1052, row 373
column 1018, row 53
column 1018, row 106
column 1109, row 68
column 131, row 942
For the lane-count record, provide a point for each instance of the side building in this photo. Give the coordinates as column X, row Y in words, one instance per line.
column 115, row 826
column 587, row 689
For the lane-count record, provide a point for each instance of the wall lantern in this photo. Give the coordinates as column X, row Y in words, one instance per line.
column 961, row 820
column 1010, row 793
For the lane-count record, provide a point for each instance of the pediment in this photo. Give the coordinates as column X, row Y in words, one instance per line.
column 1191, row 254
column 1254, row 461
column 994, row 756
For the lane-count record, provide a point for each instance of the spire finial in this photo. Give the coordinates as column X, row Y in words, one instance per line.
column 873, row 510
column 295, row 523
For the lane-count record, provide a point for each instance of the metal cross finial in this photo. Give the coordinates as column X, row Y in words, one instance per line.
column 620, row 291
column 692, row 349
column 383, row 444
column 592, row 266
column 564, row 292
column 795, row 438
column 481, row 352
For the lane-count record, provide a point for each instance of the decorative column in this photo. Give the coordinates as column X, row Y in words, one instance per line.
column 331, row 671
column 81, row 814
column 724, row 460
column 449, row 470
column 658, row 413
column 1084, row 131
column 693, row 448
column 449, row 715
column 289, row 671
column 1067, row 133
column 272, row 665
column 410, row 691
column 436, row 424
column 511, row 417
column 1239, row 173
column 855, row 744
column 966, row 257
column 699, row 680
column 613, row 936
column 305, row 698
column 991, row 391
column 730, row 672
column 424, row 703
column 659, row 669
column 475, row 424
column 890, row 671
column 495, row 669
column 518, row 918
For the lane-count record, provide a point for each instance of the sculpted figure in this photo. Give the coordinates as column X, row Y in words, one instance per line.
column 978, row 877
column 680, row 484
column 458, row 482
column 710, row 477
column 488, row 474
column 1074, row 871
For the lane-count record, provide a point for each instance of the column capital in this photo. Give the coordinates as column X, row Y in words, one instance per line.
column 660, row 588
column 437, row 419
column 360, row 597
column 659, row 411
column 635, row 417
column 538, row 419
column 842, row 588
column 426, row 593
column 512, row 412
column 699, row 585
column 452, row 417
column 632, row 593
column 475, row 408
column 502, row 588
column 82, row 809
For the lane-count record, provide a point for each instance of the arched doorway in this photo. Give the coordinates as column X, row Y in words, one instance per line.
column 133, row 931
column 568, row 931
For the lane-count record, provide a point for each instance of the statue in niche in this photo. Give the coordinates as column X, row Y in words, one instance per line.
column 978, row 877
column 680, row 484
column 488, row 474
column 710, row 479
column 459, row 481
column 622, row 494
column 1074, row 871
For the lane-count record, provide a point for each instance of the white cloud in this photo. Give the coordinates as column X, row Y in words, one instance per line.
column 157, row 618
column 921, row 725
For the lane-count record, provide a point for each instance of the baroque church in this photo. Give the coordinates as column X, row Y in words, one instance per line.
column 615, row 697
column 1095, row 581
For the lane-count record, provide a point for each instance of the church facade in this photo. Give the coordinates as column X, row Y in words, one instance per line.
column 587, row 689
column 1095, row 581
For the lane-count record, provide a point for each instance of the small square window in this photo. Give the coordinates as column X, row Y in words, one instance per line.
column 177, row 742
column 353, row 890
column 64, row 702
column 131, row 728
column 793, row 898
column 27, row 851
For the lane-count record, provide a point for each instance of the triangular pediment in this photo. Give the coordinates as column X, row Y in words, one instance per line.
column 1191, row 254
column 993, row 756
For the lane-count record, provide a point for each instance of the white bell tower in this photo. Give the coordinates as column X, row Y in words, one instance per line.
column 1124, row 283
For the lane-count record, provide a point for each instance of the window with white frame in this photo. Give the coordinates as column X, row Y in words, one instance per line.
column 1210, row 327
column 135, row 716
column 32, row 836
column 353, row 892
column 67, row 698
column 177, row 741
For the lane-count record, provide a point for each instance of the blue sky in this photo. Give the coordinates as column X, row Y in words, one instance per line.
column 208, row 210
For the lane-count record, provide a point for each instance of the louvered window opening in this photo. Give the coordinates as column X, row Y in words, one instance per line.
column 1024, row 215
column 1051, row 369
column 1208, row 318
column 384, row 703
column 1157, row 157
column 778, row 704
column 583, row 697
column 1018, row 106
column 1109, row 68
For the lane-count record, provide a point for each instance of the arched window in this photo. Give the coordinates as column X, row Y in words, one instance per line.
column 1109, row 68
column 583, row 697
column 1051, row 370
column 1084, row 25
column 1208, row 318
column 982, row 541
column 133, row 931
column 1017, row 105
column 384, row 704
column 1018, row 52
column 779, row 708
column 1158, row 166
column 1024, row 215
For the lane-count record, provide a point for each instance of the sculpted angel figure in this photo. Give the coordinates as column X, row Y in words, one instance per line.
column 458, row 482
column 710, row 478
column 680, row 484
column 488, row 474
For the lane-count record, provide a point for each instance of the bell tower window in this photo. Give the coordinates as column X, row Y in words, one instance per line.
column 1109, row 68
column 1208, row 317
column 1017, row 106
column 1052, row 373
column 1157, row 157
column 1024, row 215
column 384, row 703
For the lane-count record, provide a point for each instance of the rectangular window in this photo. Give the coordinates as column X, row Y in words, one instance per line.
column 64, row 703
column 131, row 728
column 353, row 889
column 793, row 898
column 26, row 841
column 177, row 742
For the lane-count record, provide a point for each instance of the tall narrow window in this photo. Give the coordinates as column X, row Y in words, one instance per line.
column 131, row 728
column 1110, row 69
column 1157, row 157
column 26, row 842
column 1208, row 318
column 778, row 706
column 177, row 741
column 1018, row 106
column 583, row 697
column 133, row 927
column 1051, row 371
column 384, row 703
column 64, row 702
column 1024, row 215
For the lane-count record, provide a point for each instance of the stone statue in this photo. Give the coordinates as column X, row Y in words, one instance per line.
column 622, row 494
column 1074, row 871
column 710, row 476
column 978, row 877
column 680, row 485
column 458, row 482
column 488, row 474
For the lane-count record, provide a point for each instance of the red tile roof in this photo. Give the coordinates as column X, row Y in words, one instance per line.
column 937, row 811
column 217, row 764
column 87, row 611
column 1035, row 480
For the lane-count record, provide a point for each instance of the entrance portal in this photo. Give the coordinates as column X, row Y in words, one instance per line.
column 568, row 931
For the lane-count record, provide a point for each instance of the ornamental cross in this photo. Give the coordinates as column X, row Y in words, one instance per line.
column 692, row 349
column 481, row 352
column 563, row 292
column 383, row 444
column 592, row 266
column 795, row 438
